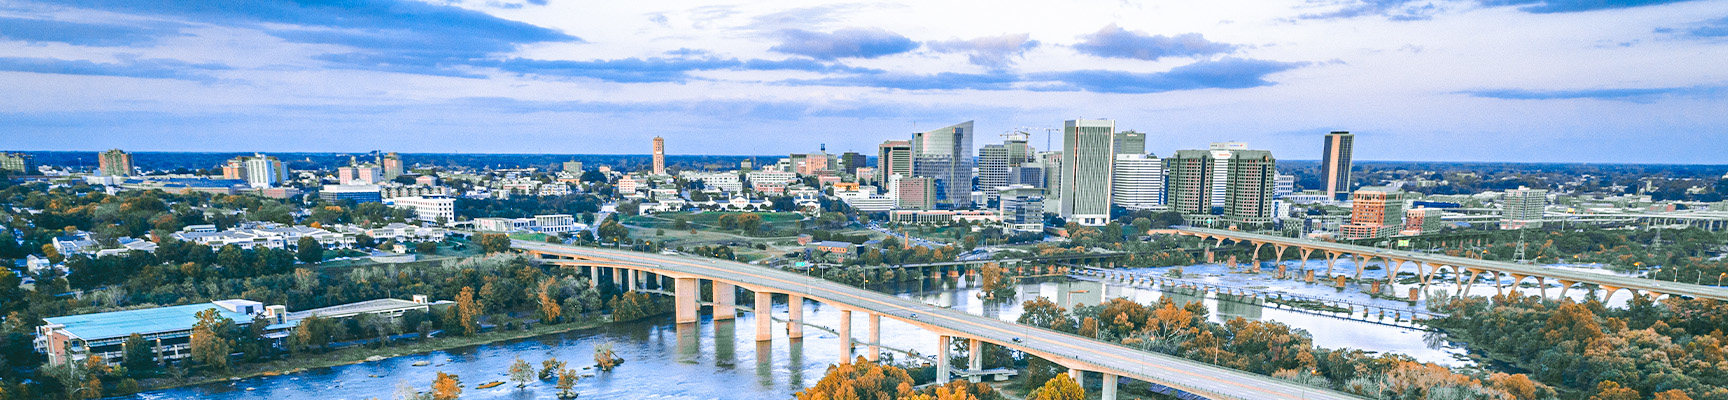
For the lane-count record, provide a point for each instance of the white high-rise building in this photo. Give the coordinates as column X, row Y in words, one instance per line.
column 1088, row 148
column 1138, row 182
column 1523, row 208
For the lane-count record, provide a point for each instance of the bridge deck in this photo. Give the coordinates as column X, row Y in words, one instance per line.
column 1190, row 376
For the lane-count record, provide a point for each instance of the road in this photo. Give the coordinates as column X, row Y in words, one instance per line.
column 1199, row 378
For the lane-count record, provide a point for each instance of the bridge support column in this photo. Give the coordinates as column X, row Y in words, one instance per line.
column 629, row 280
column 617, row 280
column 942, row 343
column 1109, row 392
column 686, row 292
column 794, row 316
column 725, row 295
column 1078, row 376
column 845, row 336
column 1564, row 285
column 974, row 360
column 764, row 316
column 875, row 338
column 1359, row 265
column 1541, row 287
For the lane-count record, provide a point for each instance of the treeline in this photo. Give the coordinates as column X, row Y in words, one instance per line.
column 575, row 204
column 1672, row 349
column 1266, row 348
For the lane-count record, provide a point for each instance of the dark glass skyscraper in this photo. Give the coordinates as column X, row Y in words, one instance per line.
column 945, row 155
column 1335, row 164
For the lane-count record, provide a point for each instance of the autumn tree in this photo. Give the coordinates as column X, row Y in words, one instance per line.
column 468, row 311
column 994, row 285
column 493, row 242
column 1059, row 388
column 1674, row 394
column 550, row 310
column 1609, row 390
column 208, row 345
column 567, row 383
column 861, row 380
column 446, row 387
column 1043, row 313
column 550, row 367
column 521, row 373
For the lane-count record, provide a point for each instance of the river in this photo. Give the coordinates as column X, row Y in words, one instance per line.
column 722, row 360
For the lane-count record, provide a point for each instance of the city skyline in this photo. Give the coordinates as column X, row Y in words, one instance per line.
column 1438, row 81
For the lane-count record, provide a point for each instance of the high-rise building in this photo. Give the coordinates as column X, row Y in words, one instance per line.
column 363, row 174
column 913, row 193
column 1335, row 164
column 391, row 164
column 18, row 163
column 945, row 155
column 893, row 157
column 659, row 156
column 258, row 170
column 436, row 209
column 1130, row 142
column 998, row 164
column 1283, row 185
column 573, row 166
column 115, row 163
column 813, row 163
column 1522, row 208
column 1138, row 182
column 1423, row 220
column 1227, row 183
column 1375, row 212
column 1088, row 148
column 1022, row 207
column 851, row 161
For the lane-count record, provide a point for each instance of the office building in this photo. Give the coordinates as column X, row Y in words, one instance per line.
column 914, row 193
column 434, row 209
column 999, row 165
column 1423, row 220
column 1130, row 142
column 364, row 174
column 1375, row 212
column 1335, row 164
column 357, row 193
column 1227, row 183
column 659, row 156
column 114, row 163
column 573, row 166
column 851, row 161
column 18, row 164
column 1138, row 182
column 1088, row 156
column 945, row 156
column 1283, row 185
column 814, row 163
column 257, row 170
column 1522, row 208
column 1022, row 207
column 391, row 165
column 893, row 157
column 1051, row 162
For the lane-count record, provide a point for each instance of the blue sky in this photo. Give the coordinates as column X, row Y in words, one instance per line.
column 1462, row 80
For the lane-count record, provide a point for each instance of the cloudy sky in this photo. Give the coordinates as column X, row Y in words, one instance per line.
column 1441, row 80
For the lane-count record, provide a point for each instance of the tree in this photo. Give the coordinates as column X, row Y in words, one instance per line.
column 138, row 355
column 427, row 248
column 549, row 308
column 493, row 242
column 994, row 285
column 1043, row 313
column 1674, row 394
column 208, row 345
column 1609, row 390
column 612, row 231
column 861, row 379
column 521, row 373
column 604, row 358
column 468, row 311
column 749, row 223
column 1059, row 388
column 308, row 250
column 567, row 383
column 446, row 387
column 550, row 367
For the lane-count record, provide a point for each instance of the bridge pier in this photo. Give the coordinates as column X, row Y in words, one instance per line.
column 1078, row 376
column 725, row 296
column 845, row 332
column 764, row 316
column 794, row 316
column 629, row 280
column 875, row 338
column 942, row 372
column 974, row 360
column 1109, row 392
column 685, row 293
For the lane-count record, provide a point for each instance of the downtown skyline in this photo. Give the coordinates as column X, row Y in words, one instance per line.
column 1556, row 81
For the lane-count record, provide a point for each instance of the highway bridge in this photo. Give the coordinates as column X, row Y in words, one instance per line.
column 1078, row 354
column 1428, row 264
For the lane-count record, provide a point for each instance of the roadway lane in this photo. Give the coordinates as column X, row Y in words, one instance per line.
column 1671, row 288
column 1199, row 378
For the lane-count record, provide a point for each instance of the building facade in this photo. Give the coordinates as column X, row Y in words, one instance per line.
column 18, row 163
column 1375, row 212
column 115, row 163
column 1226, row 183
column 945, row 156
column 914, row 193
column 434, row 209
column 851, row 161
column 1138, row 182
column 1130, row 142
column 1522, row 208
column 893, row 157
column 1022, row 207
column 1335, row 164
column 659, row 156
column 391, row 166
column 1088, row 148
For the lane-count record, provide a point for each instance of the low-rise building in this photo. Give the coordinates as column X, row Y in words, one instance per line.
column 357, row 193
column 435, row 209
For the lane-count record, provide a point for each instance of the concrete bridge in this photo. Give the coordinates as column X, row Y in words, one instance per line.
column 1427, row 265
column 1078, row 354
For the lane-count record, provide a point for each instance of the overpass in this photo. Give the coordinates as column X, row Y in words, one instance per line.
column 1428, row 264
column 1078, row 354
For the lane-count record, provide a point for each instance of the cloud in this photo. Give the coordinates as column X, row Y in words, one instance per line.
column 83, row 34
column 937, row 81
column 127, row 67
column 1708, row 29
column 1561, row 6
column 1396, row 10
column 1228, row 73
column 655, row 69
column 403, row 35
column 1114, row 42
column 844, row 43
column 995, row 52
column 1635, row 95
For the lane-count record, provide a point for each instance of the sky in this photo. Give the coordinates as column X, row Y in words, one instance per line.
column 1609, row 81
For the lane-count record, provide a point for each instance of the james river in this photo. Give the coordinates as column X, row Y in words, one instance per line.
column 722, row 360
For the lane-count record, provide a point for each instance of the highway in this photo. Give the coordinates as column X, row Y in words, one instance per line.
column 1073, row 351
column 1648, row 285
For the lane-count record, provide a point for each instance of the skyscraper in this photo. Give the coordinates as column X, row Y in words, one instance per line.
column 945, row 155
column 1138, row 182
column 1375, row 212
column 1088, row 148
column 659, row 156
column 1523, row 208
column 1335, row 164
column 1225, row 183
column 998, row 164
column 18, row 163
column 392, row 165
column 259, row 170
column 115, row 163
column 1130, row 142
column 893, row 157
column 851, row 161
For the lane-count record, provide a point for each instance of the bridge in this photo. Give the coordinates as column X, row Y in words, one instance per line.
column 1078, row 354
column 1427, row 265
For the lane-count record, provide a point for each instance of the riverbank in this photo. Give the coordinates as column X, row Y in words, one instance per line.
column 362, row 353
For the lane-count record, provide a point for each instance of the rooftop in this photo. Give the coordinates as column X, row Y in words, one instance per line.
column 143, row 321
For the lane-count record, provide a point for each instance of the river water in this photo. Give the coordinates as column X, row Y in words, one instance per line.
column 722, row 360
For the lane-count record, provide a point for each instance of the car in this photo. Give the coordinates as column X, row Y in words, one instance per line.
column 1016, row 339
column 912, row 316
